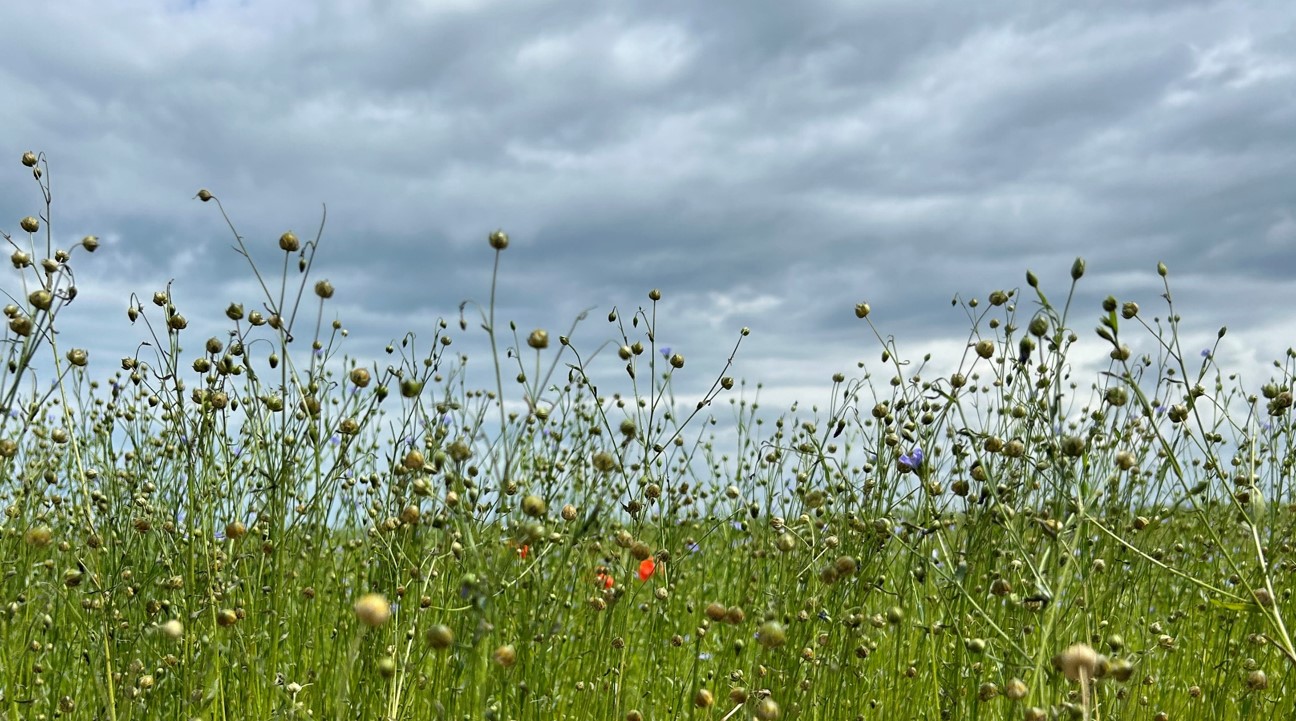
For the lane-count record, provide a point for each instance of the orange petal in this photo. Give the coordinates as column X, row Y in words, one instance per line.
column 646, row 569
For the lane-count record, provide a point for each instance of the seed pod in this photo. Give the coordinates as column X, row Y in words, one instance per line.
column 21, row 325
column 29, row 159
column 533, row 505
column 440, row 637
column 373, row 610
column 499, row 240
column 204, row 195
column 90, row 243
column 288, row 242
column 41, row 299
column 505, row 655
column 410, row 388
column 1078, row 662
column 29, row 224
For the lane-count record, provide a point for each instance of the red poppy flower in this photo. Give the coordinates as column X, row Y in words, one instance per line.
column 647, row 568
column 602, row 578
column 522, row 551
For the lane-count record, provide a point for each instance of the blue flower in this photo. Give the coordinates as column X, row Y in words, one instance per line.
column 694, row 548
column 665, row 351
column 912, row 460
column 1206, row 353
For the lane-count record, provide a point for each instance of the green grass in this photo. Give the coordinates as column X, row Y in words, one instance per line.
column 201, row 532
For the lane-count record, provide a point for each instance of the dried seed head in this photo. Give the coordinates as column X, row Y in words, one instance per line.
column 173, row 629
column 505, row 655
column 862, row 310
column 772, row 635
column 90, row 243
column 845, row 565
column 533, row 505
column 767, row 709
column 413, row 460
column 38, row 537
column 677, row 361
column 324, row 289
column 703, row 698
column 569, row 512
column 409, row 515
column 1073, row 446
column 288, row 242
column 78, row 357
column 29, row 224
column 41, row 299
column 985, row 349
column 360, row 377
column 372, row 609
column 1015, row 689
column 1256, row 680
column 29, row 159
column 539, row 339
column 205, row 195
column 1079, row 662
column 440, row 636
column 499, row 240
column 21, row 325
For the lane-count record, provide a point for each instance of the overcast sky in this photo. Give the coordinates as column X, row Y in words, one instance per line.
column 765, row 164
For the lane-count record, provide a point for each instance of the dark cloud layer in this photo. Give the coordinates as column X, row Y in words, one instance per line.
column 765, row 164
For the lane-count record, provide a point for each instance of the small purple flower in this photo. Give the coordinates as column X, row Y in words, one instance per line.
column 912, row 460
column 1206, row 353
column 665, row 351
column 694, row 547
